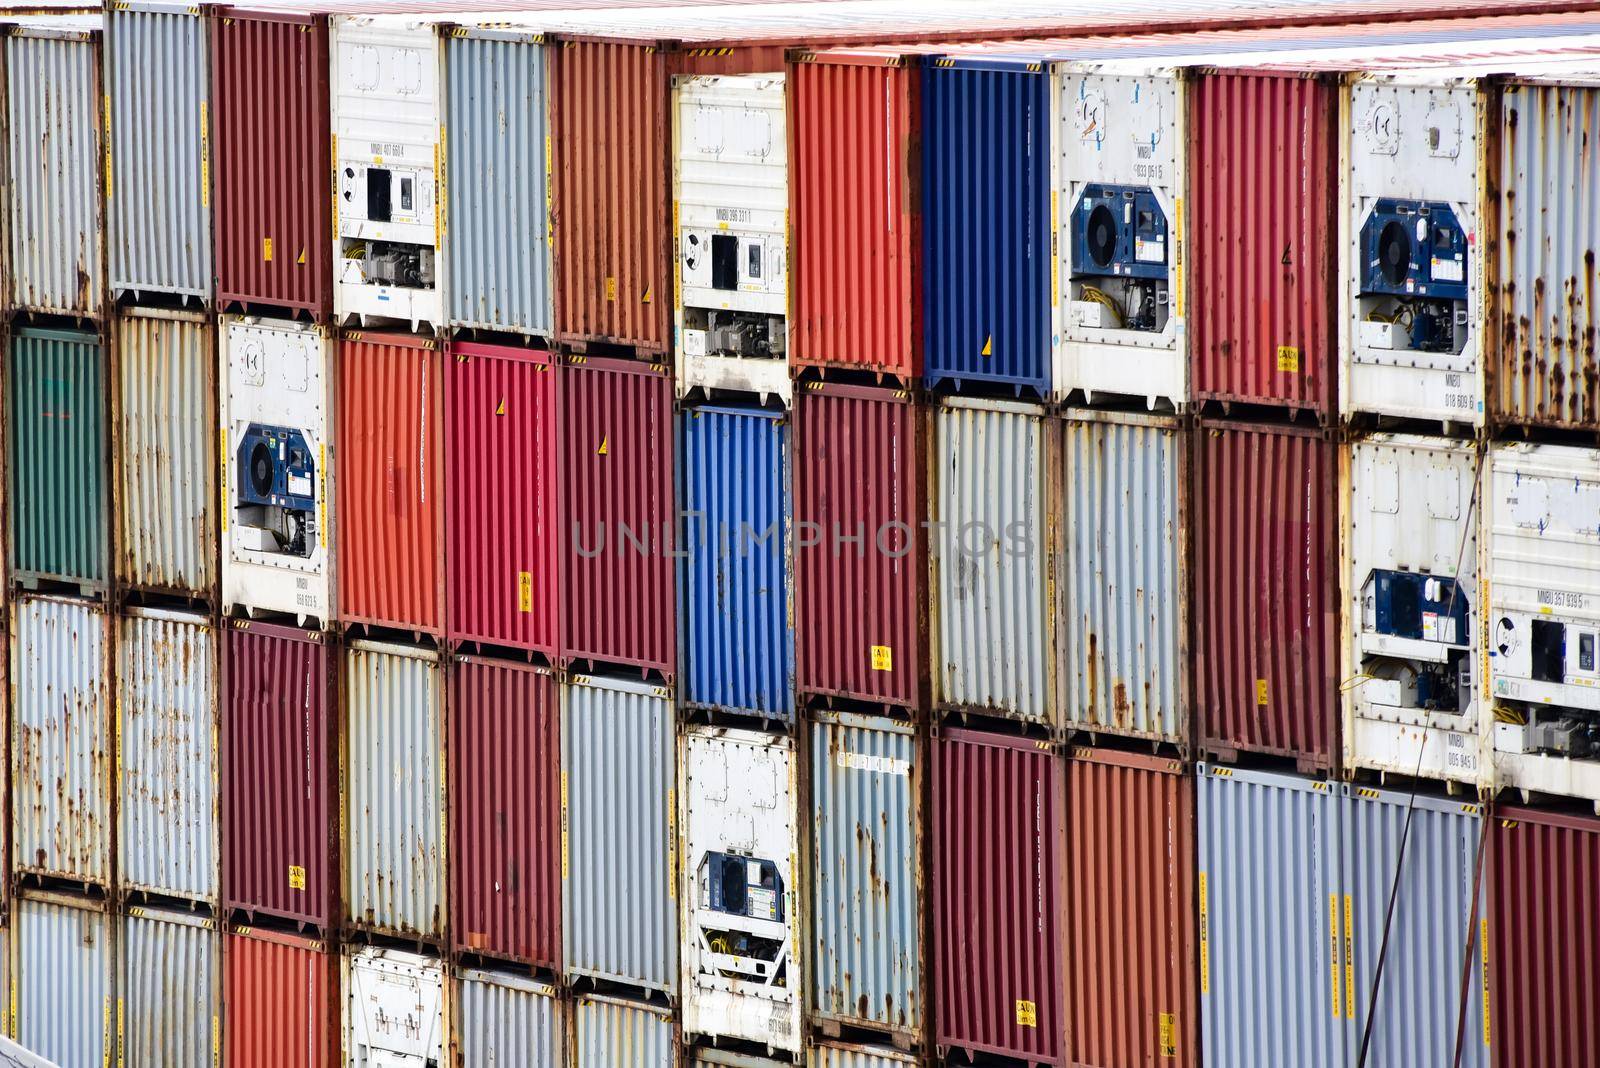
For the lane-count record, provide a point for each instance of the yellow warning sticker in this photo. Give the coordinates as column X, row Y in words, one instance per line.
column 1205, row 939
column 605, row 446
column 1349, row 960
column 1289, row 359
column 524, row 591
column 500, row 409
column 1483, row 939
column 1027, row 1014
column 646, row 298
column 1167, row 1039
column 300, row 260
column 266, row 249
column 297, row 877
column 882, row 658
column 988, row 346
column 672, row 846
column 1261, row 692
column 1333, row 955
column 611, row 287
column 564, row 866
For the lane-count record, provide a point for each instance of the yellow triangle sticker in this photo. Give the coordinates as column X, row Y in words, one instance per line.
column 605, row 448
column 646, row 298
column 301, row 259
column 988, row 346
column 500, row 409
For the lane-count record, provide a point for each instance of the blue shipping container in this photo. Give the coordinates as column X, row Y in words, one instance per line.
column 986, row 223
column 738, row 645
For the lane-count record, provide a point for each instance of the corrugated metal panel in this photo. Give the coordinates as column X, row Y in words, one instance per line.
column 1263, row 164
column 505, row 802
column 497, row 211
column 169, row 1009
column 611, row 197
column 391, row 471
column 167, row 669
column 1541, row 360
column 1271, row 988
column 618, row 834
column 610, row 1031
column 1266, row 542
column 282, row 997
column 619, row 511
column 504, row 1019
column 1130, row 864
column 504, row 547
column 861, row 605
column 994, row 554
column 738, row 636
column 867, row 878
column 58, row 456
column 999, row 844
column 986, row 223
column 277, row 850
column 829, row 1056
column 54, row 147
column 1544, row 879
column 62, row 1001
column 159, row 200
column 853, row 217
column 272, row 161
column 394, row 780
column 1124, row 637
column 61, row 740
column 166, row 427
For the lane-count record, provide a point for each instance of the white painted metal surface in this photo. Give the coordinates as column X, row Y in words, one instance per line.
column 394, row 1009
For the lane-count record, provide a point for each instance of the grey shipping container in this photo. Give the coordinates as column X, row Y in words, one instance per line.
column 167, row 671
column 497, row 181
column 619, row 904
column 62, row 981
column 395, row 790
column 1124, row 640
column 609, row 1032
column 830, row 1055
column 166, row 461
column 61, row 741
column 158, row 96
column 506, row 1019
column 170, row 1008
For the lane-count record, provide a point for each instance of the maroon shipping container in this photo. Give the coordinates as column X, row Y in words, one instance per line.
column 274, row 243
column 278, row 774
column 1131, row 939
column 501, row 498
column 853, row 194
column 1263, row 192
column 1266, row 543
column 505, row 812
column 861, row 606
column 999, row 842
column 618, row 514
column 1544, row 919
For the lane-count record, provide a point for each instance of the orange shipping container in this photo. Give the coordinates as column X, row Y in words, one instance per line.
column 281, row 1001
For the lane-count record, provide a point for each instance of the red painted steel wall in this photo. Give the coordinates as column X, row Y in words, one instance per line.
column 1544, row 915
column 281, row 1001
column 617, row 471
column 853, row 195
column 274, row 236
column 505, row 824
column 1266, row 538
column 860, row 462
column 1263, row 188
column 504, row 554
column 1131, row 938
column 998, row 847
column 278, row 775
column 391, row 519
column 611, row 201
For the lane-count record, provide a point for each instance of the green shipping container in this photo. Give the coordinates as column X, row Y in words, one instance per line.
column 58, row 459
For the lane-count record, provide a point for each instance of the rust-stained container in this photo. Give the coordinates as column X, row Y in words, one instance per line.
column 1543, row 940
column 861, row 601
column 1263, row 193
column 391, row 516
column 502, row 546
column 1131, row 937
column 272, row 171
column 618, row 514
column 611, row 194
column 281, row 1000
column 278, row 777
column 1266, row 629
column 999, row 923
column 505, row 811
column 853, row 217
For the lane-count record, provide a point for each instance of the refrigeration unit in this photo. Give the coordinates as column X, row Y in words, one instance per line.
column 394, row 1009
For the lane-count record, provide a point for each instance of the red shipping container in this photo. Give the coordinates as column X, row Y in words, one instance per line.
column 861, row 606
column 1266, row 544
column 505, row 813
column 1131, row 940
column 999, row 842
column 618, row 515
column 1263, row 193
column 1544, row 959
column 278, row 774
column 501, row 490
column 391, row 521
column 853, row 184
column 281, row 1000
column 272, row 170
